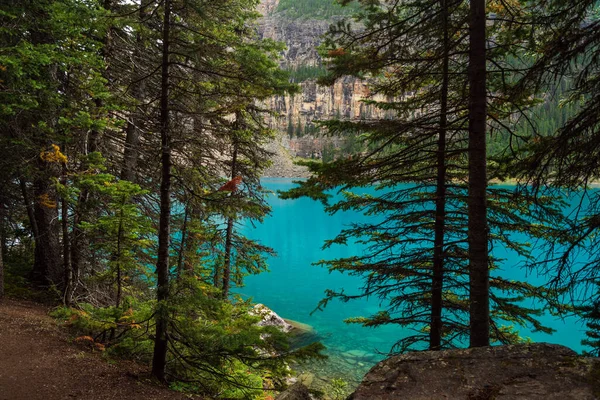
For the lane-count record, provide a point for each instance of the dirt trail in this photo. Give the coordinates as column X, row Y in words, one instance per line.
column 39, row 362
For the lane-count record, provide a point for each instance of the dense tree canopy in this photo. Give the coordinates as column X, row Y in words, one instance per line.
column 132, row 146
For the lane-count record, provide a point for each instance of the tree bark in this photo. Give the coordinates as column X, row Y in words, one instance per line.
column 227, row 260
column 437, row 281
column 68, row 278
column 47, row 265
column 477, row 203
column 29, row 208
column 132, row 138
column 119, row 255
column 2, row 222
column 182, row 244
column 81, row 212
column 91, row 145
column 229, row 232
column 162, row 265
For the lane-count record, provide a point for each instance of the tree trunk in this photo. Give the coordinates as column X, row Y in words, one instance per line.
column 68, row 292
column 29, row 208
column 47, row 265
column 437, row 281
column 2, row 222
column 182, row 244
column 78, row 238
column 81, row 213
column 92, row 145
column 227, row 261
column 477, row 207
column 192, row 243
column 229, row 232
column 162, row 265
column 118, row 257
column 132, row 139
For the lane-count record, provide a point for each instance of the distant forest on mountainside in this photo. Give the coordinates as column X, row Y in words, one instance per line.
column 315, row 9
column 551, row 113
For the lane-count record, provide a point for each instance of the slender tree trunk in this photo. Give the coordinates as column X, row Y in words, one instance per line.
column 91, row 145
column 2, row 238
column 478, row 229
column 118, row 257
column 132, row 142
column 162, row 266
column 229, row 232
column 68, row 292
column 182, row 244
column 132, row 139
column 81, row 213
column 218, row 276
column 227, row 261
column 191, row 257
column 29, row 208
column 47, row 266
column 437, row 282
column 77, row 239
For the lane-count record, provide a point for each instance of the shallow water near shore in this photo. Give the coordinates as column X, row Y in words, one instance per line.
column 294, row 287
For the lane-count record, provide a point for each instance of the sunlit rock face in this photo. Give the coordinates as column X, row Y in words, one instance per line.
column 299, row 112
column 267, row 7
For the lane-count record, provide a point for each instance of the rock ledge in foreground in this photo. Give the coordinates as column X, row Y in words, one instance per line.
column 532, row 372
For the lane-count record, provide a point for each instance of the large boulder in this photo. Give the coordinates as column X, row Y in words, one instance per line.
column 529, row 371
column 270, row 318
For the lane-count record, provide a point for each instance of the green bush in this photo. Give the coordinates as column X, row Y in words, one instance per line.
column 215, row 346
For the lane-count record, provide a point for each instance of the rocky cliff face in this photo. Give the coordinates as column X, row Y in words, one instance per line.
column 298, row 113
column 301, row 36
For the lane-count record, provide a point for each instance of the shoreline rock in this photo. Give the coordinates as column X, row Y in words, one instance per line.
column 537, row 371
column 270, row 318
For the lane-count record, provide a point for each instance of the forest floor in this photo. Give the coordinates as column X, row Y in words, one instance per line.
column 38, row 361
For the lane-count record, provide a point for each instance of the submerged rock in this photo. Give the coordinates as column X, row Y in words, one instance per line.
column 295, row 392
column 270, row 318
column 533, row 371
column 306, row 379
column 300, row 328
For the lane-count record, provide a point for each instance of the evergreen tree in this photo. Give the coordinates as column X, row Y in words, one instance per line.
column 417, row 251
column 50, row 66
column 93, row 93
column 562, row 157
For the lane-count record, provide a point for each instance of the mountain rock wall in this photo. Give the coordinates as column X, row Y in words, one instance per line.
column 296, row 115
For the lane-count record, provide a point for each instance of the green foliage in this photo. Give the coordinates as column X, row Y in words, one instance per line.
column 219, row 346
column 416, row 237
column 76, row 82
column 307, row 72
column 119, row 233
column 123, row 332
column 216, row 347
column 338, row 389
column 315, row 9
column 590, row 312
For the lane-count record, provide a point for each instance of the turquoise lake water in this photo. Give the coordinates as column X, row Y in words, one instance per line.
column 293, row 287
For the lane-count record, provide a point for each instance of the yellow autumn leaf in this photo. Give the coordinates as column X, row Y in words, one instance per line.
column 54, row 155
column 45, row 201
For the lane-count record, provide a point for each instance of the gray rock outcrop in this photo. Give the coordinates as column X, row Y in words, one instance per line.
column 295, row 392
column 343, row 100
column 528, row 372
column 270, row 318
